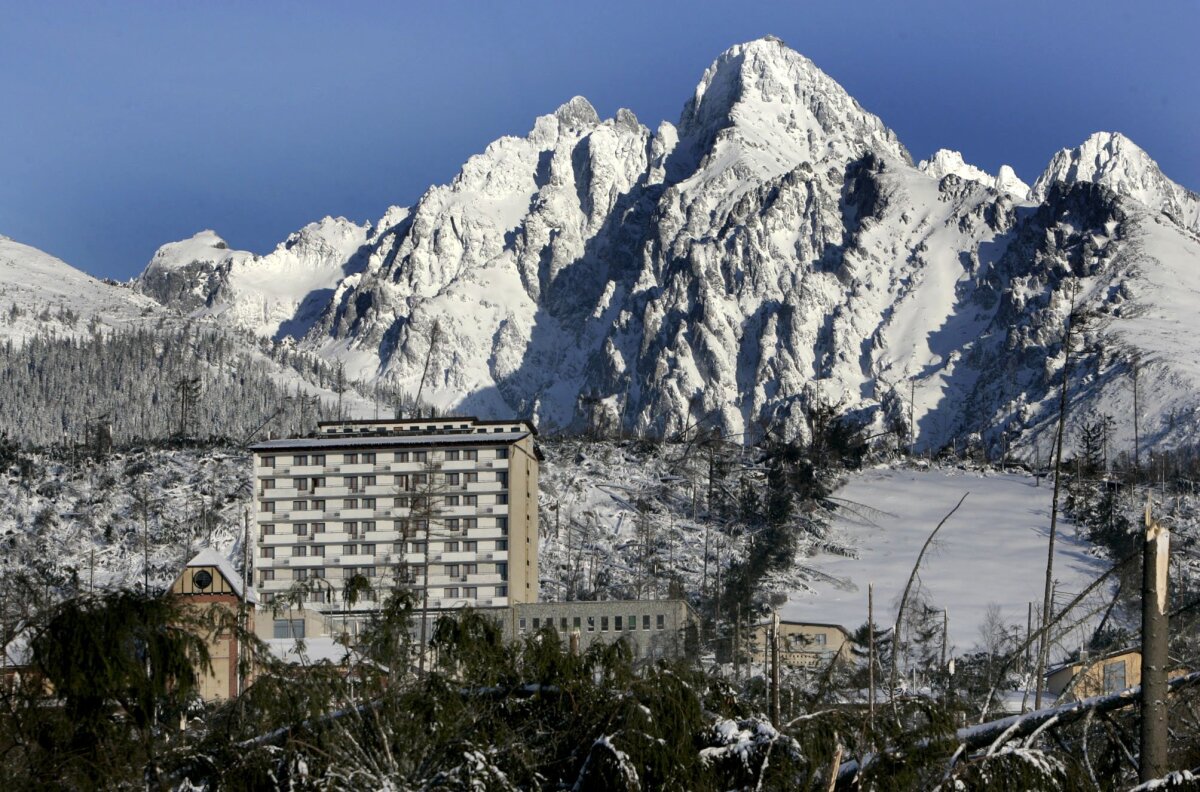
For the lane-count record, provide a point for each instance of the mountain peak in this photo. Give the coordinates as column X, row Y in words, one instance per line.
column 780, row 109
column 577, row 113
column 946, row 161
column 1113, row 160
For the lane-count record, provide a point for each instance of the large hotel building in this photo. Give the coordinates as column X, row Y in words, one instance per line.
column 446, row 504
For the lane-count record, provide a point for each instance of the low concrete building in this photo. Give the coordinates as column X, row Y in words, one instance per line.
column 801, row 644
column 1105, row 673
column 652, row 628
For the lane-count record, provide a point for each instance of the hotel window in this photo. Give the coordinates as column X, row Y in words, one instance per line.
column 401, row 456
column 319, row 551
column 266, row 575
column 575, row 623
column 300, row 550
column 470, row 500
column 368, row 525
column 502, row 525
column 469, row 524
column 536, row 622
column 470, row 547
column 661, row 622
column 420, row 456
column 633, row 623
column 470, row 592
column 617, row 623
column 471, row 455
column 646, row 621
column 452, row 479
column 368, row 549
column 268, row 529
column 266, row 552
column 318, row 572
column 299, row 505
column 521, row 624
column 268, row 484
column 420, row 479
column 398, row 547
column 451, row 570
column 502, row 498
column 452, row 593
column 452, row 455
column 501, row 544
column 300, row 459
column 502, row 570
column 368, row 481
column 301, row 529
column 301, row 484
column 470, row 569
column 591, row 622
column 352, row 529
column 351, row 483
column 502, row 478
column 470, row 477
column 318, row 459
column 369, row 458
column 268, row 462
column 350, row 503
column 562, row 622
column 318, row 505
column 318, row 528
column 368, row 503
column 300, row 574
column 451, row 500
column 501, row 453
column 351, row 459
column 402, row 482
column 318, row 481
column 452, row 524
column 348, row 549
column 501, row 591
column 451, row 547
column 603, row 624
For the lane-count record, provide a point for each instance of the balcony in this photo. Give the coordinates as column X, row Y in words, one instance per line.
column 306, row 561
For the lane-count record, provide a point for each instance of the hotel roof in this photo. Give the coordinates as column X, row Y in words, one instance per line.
column 391, row 440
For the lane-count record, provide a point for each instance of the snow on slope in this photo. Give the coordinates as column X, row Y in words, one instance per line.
column 993, row 550
column 277, row 295
column 945, row 161
column 1111, row 159
column 50, row 296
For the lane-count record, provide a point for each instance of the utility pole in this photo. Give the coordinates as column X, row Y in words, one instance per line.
column 871, row 651
column 1155, row 563
column 775, row 719
column 243, row 604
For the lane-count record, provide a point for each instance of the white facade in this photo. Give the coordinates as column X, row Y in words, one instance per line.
column 364, row 498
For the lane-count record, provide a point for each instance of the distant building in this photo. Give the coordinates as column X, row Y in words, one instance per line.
column 652, row 628
column 210, row 580
column 1093, row 676
column 801, row 644
column 364, row 497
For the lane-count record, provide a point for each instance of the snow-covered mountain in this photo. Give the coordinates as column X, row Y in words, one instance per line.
column 945, row 161
column 1111, row 159
column 277, row 295
column 42, row 294
column 774, row 248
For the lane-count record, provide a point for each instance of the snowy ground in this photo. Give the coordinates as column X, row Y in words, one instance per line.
column 993, row 550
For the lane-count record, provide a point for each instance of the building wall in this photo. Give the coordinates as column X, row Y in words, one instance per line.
column 355, row 500
column 1081, row 680
column 221, row 682
column 660, row 628
column 802, row 645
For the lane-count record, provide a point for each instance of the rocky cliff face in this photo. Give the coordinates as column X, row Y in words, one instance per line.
column 776, row 248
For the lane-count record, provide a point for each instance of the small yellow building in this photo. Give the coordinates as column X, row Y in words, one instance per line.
column 801, row 644
column 210, row 580
column 1108, row 673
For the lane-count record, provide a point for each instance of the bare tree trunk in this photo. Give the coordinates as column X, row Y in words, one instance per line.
column 1155, row 561
column 1047, row 597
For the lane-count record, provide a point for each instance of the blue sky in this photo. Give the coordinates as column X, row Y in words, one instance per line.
column 127, row 125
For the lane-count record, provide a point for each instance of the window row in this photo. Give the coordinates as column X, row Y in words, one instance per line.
column 373, row 457
column 619, row 623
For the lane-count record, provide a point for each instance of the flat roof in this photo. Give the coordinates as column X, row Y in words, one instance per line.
column 445, row 419
column 389, row 440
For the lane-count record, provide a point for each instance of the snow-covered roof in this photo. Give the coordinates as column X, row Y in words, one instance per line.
column 315, row 650
column 210, row 557
column 381, row 440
